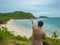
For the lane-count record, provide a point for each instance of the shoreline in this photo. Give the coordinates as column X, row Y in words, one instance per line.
column 17, row 30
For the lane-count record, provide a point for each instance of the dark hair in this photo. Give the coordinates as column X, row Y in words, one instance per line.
column 40, row 23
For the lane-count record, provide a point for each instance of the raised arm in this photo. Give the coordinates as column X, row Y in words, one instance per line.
column 32, row 23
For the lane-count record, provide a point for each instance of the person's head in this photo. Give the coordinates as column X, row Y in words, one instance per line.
column 40, row 23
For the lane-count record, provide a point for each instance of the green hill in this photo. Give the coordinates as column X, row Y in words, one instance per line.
column 4, row 17
column 43, row 17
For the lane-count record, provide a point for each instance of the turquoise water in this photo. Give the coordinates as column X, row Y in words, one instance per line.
column 50, row 24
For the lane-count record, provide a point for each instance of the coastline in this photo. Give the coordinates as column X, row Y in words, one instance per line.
column 17, row 30
column 20, row 30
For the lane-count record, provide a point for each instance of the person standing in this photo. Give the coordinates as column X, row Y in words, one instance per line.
column 38, row 33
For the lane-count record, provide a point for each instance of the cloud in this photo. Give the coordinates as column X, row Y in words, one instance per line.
column 41, row 2
column 28, row 3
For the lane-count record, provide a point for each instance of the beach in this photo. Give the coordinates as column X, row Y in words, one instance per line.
column 17, row 30
column 23, row 27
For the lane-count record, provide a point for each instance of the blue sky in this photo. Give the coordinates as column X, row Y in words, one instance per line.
column 50, row 8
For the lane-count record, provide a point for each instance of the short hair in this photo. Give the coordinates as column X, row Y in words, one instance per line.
column 40, row 23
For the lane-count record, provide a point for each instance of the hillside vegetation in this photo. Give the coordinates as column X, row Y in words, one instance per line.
column 4, row 17
column 8, row 38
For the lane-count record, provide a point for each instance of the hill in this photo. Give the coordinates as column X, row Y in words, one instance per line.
column 4, row 17
column 43, row 17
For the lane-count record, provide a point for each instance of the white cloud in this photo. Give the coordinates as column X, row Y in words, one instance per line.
column 29, row 4
column 41, row 2
column 34, row 2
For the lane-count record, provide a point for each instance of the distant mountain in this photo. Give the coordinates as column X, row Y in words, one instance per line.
column 14, row 15
column 43, row 17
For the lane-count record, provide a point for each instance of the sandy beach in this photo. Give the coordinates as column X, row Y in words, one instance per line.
column 17, row 30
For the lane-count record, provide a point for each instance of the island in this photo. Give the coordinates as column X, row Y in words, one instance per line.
column 43, row 17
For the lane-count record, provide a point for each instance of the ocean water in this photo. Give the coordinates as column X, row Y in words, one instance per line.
column 50, row 24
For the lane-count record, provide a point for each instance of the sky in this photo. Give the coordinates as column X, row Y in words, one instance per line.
column 50, row 8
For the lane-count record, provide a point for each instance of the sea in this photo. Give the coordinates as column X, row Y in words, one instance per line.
column 50, row 25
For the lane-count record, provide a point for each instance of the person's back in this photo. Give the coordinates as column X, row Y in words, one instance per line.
column 38, row 34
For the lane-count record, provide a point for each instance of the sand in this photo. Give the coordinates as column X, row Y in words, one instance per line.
column 17, row 30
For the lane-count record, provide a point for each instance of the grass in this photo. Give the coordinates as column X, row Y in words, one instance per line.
column 6, row 38
column 53, row 41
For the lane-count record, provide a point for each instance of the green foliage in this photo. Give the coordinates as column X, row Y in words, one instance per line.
column 7, row 38
column 54, row 40
column 30, row 38
column 21, row 38
column 4, row 17
column 5, row 34
column 54, row 35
